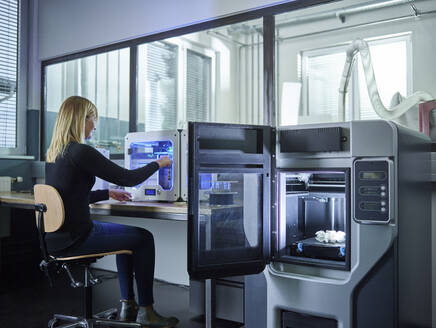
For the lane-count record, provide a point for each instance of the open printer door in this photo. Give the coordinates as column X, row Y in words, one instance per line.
column 229, row 199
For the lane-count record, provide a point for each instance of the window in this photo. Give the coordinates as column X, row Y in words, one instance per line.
column 390, row 59
column 158, row 78
column 175, row 84
column 208, row 76
column 103, row 79
column 213, row 75
column 8, row 72
column 198, row 87
column 321, row 72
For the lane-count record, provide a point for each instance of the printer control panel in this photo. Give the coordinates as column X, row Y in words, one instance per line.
column 372, row 191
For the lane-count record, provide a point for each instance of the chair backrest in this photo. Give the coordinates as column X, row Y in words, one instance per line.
column 55, row 215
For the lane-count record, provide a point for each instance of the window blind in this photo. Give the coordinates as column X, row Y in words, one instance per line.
column 323, row 78
column 161, row 98
column 8, row 72
column 198, row 87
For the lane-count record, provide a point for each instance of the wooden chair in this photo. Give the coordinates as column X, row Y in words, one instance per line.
column 50, row 216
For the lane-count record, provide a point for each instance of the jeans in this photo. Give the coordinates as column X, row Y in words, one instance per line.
column 107, row 237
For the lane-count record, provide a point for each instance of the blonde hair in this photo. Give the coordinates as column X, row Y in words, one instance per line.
column 70, row 125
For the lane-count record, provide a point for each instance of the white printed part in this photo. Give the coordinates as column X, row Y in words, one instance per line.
column 330, row 236
column 340, row 236
column 320, row 236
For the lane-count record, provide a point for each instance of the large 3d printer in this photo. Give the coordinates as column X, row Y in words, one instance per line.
column 330, row 223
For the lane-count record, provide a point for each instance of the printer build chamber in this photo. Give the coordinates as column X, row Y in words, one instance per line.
column 312, row 222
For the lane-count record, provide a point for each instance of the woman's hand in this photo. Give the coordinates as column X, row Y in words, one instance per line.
column 119, row 194
column 164, row 161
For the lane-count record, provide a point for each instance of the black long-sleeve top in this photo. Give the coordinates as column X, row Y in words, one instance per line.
column 73, row 175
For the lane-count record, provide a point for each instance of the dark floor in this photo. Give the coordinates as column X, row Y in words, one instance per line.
column 27, row 301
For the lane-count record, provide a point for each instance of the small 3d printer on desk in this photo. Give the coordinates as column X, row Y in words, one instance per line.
column 168, row 183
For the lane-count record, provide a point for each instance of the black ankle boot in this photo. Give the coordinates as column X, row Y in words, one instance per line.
column 148, row 317
column 129, row 310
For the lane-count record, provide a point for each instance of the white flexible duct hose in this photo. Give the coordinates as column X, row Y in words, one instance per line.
column 361, row 46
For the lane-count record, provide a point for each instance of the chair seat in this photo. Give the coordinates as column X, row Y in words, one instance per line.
column 78, row 257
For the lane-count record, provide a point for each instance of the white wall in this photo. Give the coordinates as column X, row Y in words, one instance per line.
column 67, row 26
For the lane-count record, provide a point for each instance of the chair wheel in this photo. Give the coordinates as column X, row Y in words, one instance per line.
column 52, row 322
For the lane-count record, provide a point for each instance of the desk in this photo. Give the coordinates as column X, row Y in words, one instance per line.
column 168, row 224
column 153, row 210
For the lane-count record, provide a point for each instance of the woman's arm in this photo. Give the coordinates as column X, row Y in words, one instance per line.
column 94, row 163
column 98, row 195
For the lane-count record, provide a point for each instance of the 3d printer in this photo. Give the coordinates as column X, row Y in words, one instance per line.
column 167, row 184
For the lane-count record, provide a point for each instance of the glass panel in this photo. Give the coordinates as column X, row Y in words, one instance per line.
column 103, row 79
column 157, row 91
column 310, row 58
column 322, row 75
column 198, row 87
column 230, row 212
column 313, row 215
column 214, row 75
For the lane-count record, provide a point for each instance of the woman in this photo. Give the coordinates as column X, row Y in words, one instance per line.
column 71, row 168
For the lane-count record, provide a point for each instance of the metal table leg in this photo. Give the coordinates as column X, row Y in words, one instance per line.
column 210, row 302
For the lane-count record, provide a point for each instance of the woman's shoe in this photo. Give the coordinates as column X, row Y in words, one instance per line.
column 129, row 310
column 148, row 317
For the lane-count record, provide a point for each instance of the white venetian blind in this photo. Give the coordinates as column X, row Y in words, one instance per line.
column 198, row 87
column 161, row 77
column 8, row 72
column 323, row 75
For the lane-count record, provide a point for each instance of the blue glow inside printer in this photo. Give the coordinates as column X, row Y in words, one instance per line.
column 144, row 152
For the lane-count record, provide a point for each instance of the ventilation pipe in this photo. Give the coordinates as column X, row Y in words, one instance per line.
column 361, row 46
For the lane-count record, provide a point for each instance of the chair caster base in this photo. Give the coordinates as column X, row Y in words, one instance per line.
column 110, row 314
column 103, row 319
